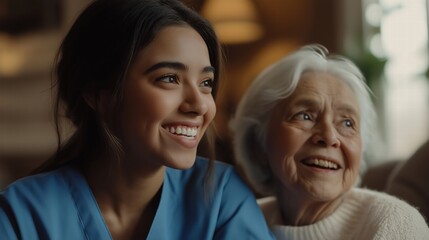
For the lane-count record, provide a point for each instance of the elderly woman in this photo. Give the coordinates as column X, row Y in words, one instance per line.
column 300, row 132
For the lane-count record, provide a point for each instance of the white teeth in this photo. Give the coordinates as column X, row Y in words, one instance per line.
column 182, row 130
column 171, row 129
column 322, row 163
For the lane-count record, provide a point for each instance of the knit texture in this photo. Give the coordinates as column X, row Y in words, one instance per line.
column 364, row 214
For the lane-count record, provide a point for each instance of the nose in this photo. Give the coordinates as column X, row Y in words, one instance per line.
column 194, row 101
column 326, row 135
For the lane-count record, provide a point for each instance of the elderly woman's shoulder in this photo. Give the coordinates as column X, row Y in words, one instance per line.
column 381, row 202
column 388, row 212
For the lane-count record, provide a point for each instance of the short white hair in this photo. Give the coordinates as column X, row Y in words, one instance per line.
column 272, row 85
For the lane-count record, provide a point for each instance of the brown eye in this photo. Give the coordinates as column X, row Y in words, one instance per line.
column 207, row 83
column 168, row 79
column 206, row 86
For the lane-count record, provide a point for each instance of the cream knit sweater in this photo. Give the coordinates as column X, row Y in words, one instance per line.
column 364, row 214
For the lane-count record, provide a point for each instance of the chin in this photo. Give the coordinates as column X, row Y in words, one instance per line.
column 325, row 195
column 182, row 161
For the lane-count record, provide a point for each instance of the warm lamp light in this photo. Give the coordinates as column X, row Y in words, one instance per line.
column 235, row 21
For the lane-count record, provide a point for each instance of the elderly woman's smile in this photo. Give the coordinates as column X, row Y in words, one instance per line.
column 315, row 143
column 300, row 132
column 320, row 162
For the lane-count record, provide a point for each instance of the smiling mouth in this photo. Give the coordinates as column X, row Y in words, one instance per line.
column 320, row 163
column 189, row 132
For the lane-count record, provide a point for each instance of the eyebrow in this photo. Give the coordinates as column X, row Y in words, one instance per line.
column 306, row 102
column 177, row 66
column 343, row 107
column 347, row 108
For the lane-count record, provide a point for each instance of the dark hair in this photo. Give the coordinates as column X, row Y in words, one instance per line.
column 96, row 54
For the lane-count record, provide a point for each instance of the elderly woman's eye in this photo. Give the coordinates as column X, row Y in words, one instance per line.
column 348, row 123
column 303, row 116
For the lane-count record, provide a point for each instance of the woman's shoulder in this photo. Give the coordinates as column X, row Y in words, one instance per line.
column 382, row 203
column 380, row 200
column 232, row 204
column 36, row 205
column 200, row 167
column 223, row 177
column 37, row 196
column 202, row 162
column 43, row 186
column 390, row 214
column 223, row 173
column 41, row 180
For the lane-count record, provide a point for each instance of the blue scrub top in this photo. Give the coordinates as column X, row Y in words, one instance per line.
column 60, row 205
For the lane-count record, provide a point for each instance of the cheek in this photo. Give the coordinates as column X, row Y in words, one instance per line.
column 140, row 109
column 211, row 109
column 285, row 142
column 282, row 147
column 353, row 154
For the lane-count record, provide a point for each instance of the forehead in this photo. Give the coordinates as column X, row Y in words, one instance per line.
column 324, row 88
column 318, row 82
column 176, row 43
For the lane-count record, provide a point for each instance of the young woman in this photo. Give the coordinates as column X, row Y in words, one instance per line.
column 137, row 79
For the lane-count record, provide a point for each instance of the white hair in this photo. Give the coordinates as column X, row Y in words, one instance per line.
column 272, row 85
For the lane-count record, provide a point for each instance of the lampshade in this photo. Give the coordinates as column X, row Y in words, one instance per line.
column 235, row 21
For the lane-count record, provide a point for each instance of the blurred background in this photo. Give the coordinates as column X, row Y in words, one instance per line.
column 387, row 39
